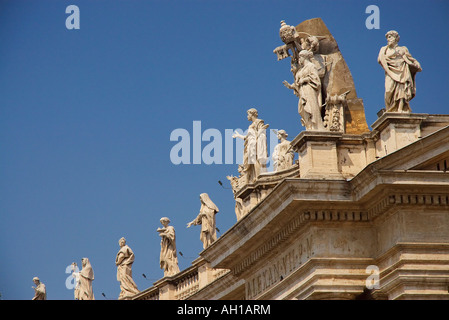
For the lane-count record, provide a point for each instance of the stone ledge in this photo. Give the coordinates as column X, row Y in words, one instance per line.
column 394, row 117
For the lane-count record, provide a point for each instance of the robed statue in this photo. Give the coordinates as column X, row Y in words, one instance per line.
column 206, row 218
column 255, row 153
column 400, row 71
column 124, row 261
column 169, row 256
column 84, row 278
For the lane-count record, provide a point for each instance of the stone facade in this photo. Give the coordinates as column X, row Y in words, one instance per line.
column 362, row 214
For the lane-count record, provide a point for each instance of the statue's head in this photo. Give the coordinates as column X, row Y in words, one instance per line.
column 311, row 43
column 165, row 221
column 36, row 280
column 252, row 114
column 282, row 134
column 392, row 37
column 304, row 55
column 122, row 241
column 287, row 33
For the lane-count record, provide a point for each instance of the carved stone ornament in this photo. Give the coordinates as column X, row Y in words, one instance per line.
column 321, row 74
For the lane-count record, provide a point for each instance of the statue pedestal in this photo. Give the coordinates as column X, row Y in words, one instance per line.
column 318, row 154
column 397, row 130
column 167, row 288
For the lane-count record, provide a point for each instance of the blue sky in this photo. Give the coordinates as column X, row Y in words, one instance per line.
column 86, row 117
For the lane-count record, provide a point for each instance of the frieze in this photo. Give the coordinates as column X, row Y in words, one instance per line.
column 280, row 268
column 407, row 199
column 291, row 227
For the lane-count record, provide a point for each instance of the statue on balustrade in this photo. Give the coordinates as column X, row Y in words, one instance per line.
column 40, row 292
column 84, row 278
column 169, row 256
column 283, row 154
column 124, row 261
column 255, row 153
column 400, row 71
column 206, row 218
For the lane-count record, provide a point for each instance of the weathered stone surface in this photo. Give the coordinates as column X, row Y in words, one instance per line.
column 362, row 214
column 338, row 78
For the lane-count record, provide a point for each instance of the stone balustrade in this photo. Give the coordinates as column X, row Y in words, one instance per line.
column 184, row 284
column 187, row 284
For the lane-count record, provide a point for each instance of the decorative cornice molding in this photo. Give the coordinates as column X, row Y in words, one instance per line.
column 295, row 224
column 408, row 199
column 345, row 215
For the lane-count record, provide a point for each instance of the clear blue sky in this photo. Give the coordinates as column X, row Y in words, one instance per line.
column 86, row 117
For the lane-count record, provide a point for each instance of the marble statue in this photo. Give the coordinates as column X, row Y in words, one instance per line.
column 283, row 154
column 169, row 255
column 255, row 147
column 400, row 71
column 84, row 278
column 234, row 181
column 206, row 218
column 236, row 184
column 40, row 292
column 76, row 276
column 307, row 87
column 332, row 72
column 124, row 261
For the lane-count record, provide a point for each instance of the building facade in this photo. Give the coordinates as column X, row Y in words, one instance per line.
column 362, row 213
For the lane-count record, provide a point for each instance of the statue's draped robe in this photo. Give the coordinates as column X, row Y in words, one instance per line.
column 309, row 106
column 168, row 256
column 40, row 293
column 255, row 150
column 206, row 218
column 124, row 261
column 399, row 77
column 86, row 276
column 282, row 156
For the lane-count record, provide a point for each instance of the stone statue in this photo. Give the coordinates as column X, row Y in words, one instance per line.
column 283, row 154
column 234, row 181
column 236, row 184
column 40, row 292
column 84, row 278
column 335, row 78
column 400, row 71
column 169, row 255
column 206, row 218
column 76, row 276
column 334, row 112
column 124, row 261
column 307, row 87
column 255, row 147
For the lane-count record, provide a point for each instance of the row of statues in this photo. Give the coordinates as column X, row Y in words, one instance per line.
column 311, row 86
column 125, row 256
column 208, row 235
column 311, row 79
column 255, row 154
